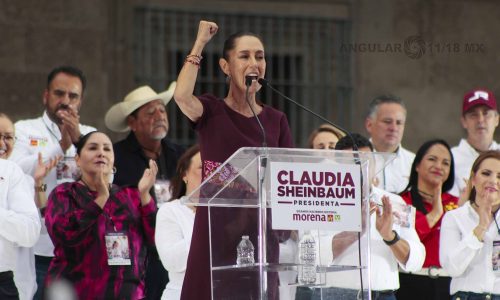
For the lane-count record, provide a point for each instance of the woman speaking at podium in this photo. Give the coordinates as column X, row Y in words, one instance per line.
column 224, row 125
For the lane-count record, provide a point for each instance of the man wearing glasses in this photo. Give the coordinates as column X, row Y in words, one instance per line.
column 19, row 222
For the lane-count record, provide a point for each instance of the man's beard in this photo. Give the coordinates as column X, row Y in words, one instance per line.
column 53, row 115
column 54, row 118
column 159, row 136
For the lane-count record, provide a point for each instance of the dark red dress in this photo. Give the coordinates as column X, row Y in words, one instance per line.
column 222, row 131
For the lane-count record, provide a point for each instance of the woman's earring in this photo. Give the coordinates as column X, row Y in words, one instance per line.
column 114, row 170
column 228, row 79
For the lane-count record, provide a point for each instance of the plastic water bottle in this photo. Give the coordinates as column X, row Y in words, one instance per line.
column 307, row 257
column 245, row 252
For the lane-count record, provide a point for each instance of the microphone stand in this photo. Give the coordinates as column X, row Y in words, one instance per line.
column 264, row 82
column 261, row 172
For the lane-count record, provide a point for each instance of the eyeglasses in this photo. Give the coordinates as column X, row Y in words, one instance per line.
column 7, row 138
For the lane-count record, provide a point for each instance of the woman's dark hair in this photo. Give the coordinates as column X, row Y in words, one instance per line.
column 83, row 140
column 475, row 167
column 412, row 186
column 230, row 42
column 347, row 142
column 178, row 186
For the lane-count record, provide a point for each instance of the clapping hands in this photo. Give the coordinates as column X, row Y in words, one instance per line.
column 42, row 169
column 384, row 218
column 147, row 181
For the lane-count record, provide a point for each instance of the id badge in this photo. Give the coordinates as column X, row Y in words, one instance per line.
column 162, row 191
column 404, row 215
column 495, row 258
column 117, row 248
column 67, row 170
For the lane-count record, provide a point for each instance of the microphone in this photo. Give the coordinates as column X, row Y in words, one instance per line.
column 248, row 82
column 264, row 82
column 249, row 79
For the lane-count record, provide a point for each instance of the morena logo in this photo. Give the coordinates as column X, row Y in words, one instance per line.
column 308, row 217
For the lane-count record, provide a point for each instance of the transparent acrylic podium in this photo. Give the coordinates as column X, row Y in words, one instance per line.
column 240, row 196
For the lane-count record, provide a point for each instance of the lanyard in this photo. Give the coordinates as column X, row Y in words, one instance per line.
column 496, row 223
column 110, row 219
column 50, row 129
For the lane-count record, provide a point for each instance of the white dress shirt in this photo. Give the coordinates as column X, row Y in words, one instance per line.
column 384, row 273
column 464, row 156
column 463, row 256
column 34, row 136
column 19, row 221
column 174, row 229
column 395, row 176
column 25, row 272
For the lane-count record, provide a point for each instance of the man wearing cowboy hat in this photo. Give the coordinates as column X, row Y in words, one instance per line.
column 143, row 113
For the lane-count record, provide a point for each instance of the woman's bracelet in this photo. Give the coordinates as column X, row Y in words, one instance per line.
column 194, row 59
column 199, row 57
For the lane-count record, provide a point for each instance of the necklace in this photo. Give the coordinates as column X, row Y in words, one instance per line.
column 425, row 195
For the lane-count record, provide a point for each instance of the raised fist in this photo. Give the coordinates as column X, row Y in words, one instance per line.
column 206, row 30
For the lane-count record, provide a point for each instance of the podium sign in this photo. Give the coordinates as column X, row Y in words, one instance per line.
column 311, row 196
column 258, row 191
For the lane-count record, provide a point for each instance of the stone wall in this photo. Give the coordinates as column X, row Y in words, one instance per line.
column 39, row 35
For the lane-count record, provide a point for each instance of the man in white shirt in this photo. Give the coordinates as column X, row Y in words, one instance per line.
column 19, row 221
column 479, row 119
column 385, row 123
column 391, row 245
column 53, row 134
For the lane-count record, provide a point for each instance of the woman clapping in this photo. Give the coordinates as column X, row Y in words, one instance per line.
column 431, row 178
column 86, row 218
column 470, row 235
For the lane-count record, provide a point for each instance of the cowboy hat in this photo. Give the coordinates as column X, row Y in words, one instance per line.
column 116, row 117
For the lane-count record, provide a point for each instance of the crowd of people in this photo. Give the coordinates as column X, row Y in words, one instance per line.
column 114, row 226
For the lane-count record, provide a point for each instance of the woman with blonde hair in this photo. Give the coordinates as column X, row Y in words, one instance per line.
column 324, row 137
column 470, row 235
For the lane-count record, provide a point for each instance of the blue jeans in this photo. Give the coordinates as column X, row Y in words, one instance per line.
column 42, row 264
column 350, row 294
column 474, row 296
